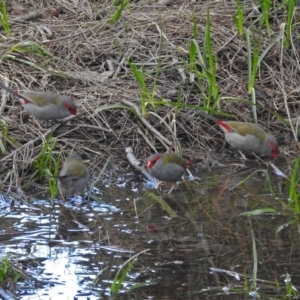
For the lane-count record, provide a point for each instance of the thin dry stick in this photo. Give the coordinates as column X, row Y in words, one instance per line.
column 175, row 141
column 137, row 164
column 127, row 56
column 6, row 294
column 162, row 34
column 162, row 139
column 76, row 34
column 166, row 2
column 45, row 32
column 179, row 69
column 91, row 127
column 30, row 17
column 282, row 27
column 146, row 139
column 4, row 97
column 277, row 171
column 287, row 108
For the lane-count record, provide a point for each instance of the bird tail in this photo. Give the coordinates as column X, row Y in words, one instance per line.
column 208, row 116
column 9, row 90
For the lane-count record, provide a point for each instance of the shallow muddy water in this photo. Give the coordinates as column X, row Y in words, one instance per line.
column 195, row 243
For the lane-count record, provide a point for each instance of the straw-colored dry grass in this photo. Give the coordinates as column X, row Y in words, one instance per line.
column 91, row 51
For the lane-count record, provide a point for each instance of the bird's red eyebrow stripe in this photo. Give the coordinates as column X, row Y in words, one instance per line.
column 152, row 162
column 224, row 124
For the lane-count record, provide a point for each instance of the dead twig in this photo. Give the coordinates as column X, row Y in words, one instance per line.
column 159, row 136
column 29, row 17
column 137, row 164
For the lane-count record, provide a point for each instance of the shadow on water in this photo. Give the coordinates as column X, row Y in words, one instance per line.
column 207, row 250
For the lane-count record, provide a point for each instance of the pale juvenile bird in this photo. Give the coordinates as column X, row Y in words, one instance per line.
column 73, row 176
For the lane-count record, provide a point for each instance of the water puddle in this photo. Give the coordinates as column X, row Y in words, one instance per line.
column 191, row 244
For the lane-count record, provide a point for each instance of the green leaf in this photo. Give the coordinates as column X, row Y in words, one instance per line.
column 260, row 211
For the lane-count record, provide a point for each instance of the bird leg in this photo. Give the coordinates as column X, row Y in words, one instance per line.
column 38, row 124
column 243, row 157
column 21, row 117
column 63, row 196
column 159, row 185
column 172, row 188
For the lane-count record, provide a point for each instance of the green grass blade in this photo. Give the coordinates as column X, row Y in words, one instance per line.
column 146, row 96
column 239, row 17
column 117, row 15
column 123, row 272
column 257, row 212
column 4, row 18
column 294, row 195
column 164, row 205
column 290, row 5
column 249, row 61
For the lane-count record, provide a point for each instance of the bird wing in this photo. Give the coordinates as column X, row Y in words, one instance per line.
column 248, row 128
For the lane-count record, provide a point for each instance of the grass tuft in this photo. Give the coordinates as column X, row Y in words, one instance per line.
column 4, row 18
column 239, row 17
column 265, row 6
column 294, row 195
column 46, row 166
column 7, row 271
column 206, row 75
column 117, row 15
column 290, row 6
column 123, row 273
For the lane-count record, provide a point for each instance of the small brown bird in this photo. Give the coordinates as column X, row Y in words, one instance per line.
column 45, row 105
column 167, row 167
column 73, row 176
column 247, row 137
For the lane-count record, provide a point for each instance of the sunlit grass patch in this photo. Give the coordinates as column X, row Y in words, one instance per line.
column 140, row 76
column 123, row 273
column 46, row 166
column 7, row 270
column 206, row 75
column 6, row 138
column 290, row 6
column 121, row 6
column 266, row 6
column 294, row 188
column 19, row 53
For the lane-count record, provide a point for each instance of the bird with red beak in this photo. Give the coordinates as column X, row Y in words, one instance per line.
column 167, row 167
column 247, row 137
column 45, row 105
